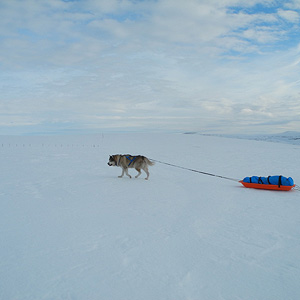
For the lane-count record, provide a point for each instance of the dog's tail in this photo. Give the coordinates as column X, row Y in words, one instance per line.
column 149, row 162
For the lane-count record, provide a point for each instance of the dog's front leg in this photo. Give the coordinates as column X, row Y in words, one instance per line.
column 126, row 171
column 122, row 173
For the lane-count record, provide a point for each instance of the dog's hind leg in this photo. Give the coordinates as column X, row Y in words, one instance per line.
column 146, row 171
column 139, row 172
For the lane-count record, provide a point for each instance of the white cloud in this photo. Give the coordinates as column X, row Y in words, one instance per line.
column 289, row 15
column 260, row 35
column 201, row 63
column 292, row 4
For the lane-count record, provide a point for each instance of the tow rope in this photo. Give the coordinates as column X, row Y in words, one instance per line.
column 193, row 170
column 296, row 188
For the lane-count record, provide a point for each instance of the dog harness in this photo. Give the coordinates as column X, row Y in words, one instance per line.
column 131, row 160
column 118, row 162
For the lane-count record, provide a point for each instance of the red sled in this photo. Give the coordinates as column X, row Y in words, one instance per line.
column 267, row 186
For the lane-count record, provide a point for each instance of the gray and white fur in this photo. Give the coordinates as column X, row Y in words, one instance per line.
column 127, row 161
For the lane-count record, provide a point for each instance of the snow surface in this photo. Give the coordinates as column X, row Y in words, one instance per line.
column 71, row 229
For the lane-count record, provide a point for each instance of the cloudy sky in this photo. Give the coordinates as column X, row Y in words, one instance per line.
column 214, row 66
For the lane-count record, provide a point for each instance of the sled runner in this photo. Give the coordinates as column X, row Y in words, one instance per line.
column 277, row 183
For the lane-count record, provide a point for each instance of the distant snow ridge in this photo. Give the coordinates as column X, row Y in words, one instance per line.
column 288, row 137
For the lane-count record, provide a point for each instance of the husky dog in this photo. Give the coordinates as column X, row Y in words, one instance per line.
column 128, row 161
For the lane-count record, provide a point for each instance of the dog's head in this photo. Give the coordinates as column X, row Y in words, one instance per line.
column 112, row 160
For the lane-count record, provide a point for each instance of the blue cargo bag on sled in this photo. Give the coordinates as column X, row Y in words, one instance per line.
column 277, row 182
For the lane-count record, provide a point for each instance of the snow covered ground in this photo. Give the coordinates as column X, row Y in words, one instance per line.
column 71, row 229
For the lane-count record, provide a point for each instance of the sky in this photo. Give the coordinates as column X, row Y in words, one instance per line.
column 211, row 66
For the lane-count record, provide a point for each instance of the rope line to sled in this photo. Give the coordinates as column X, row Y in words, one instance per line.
column 193, row 170
column 296, row 188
